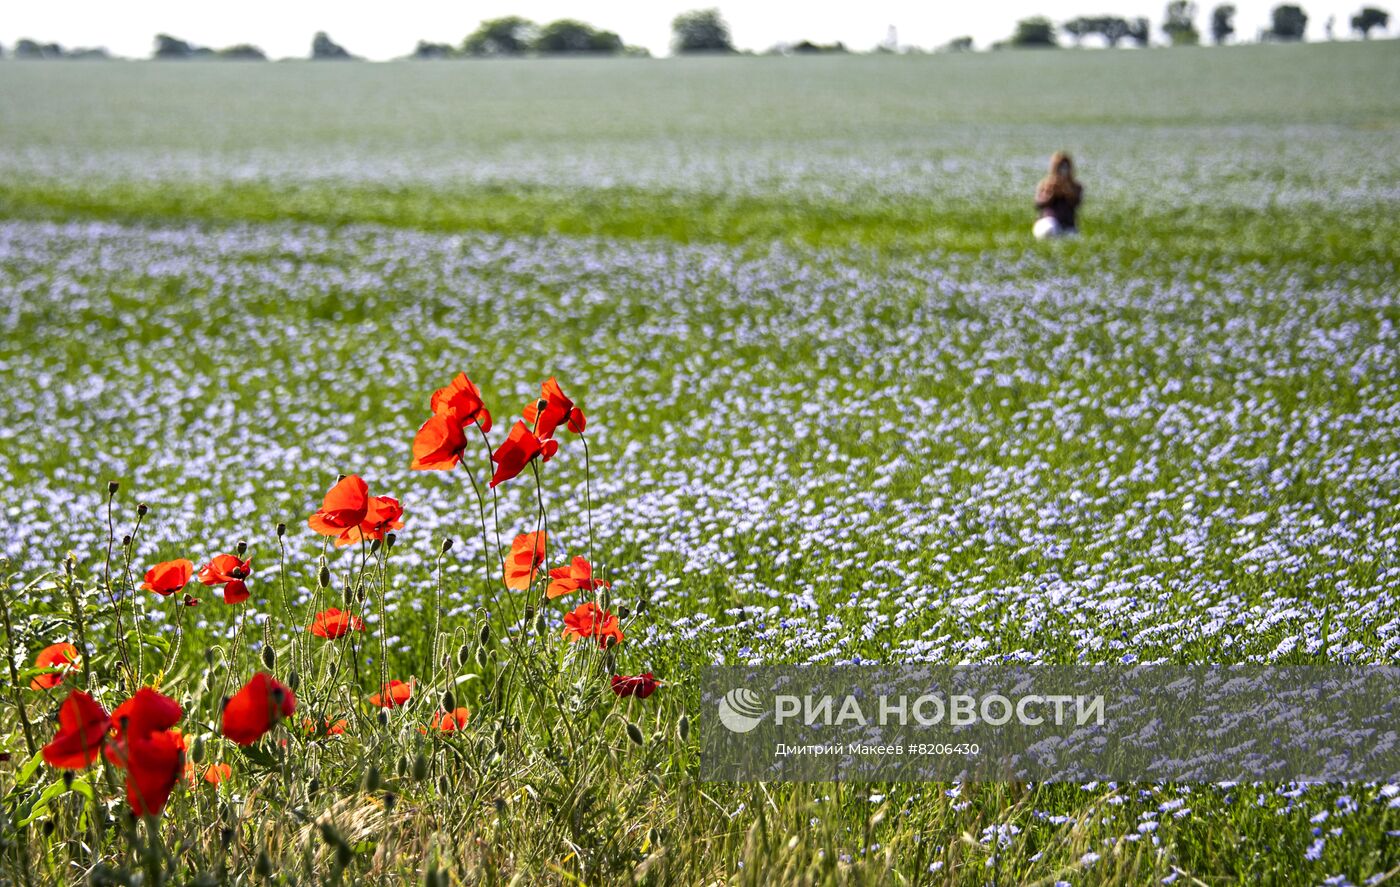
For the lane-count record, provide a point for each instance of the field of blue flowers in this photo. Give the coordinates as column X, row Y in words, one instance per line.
column 841, row 409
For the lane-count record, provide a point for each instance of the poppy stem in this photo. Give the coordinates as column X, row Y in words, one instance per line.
column 112, row 592
column 14, row 672
column 588, row 500
column 79, row 621
column 136, row 599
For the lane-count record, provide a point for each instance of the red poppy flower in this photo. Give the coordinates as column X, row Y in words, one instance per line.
column 552, row 410
column 350, row 514
column 640, row 686
column 335, row 623
column 82, row 726
column 392, row 695
column 62, row 656
column 577, row 576
column 147, row 712
column 592, row 621
column 214, row 774
column 461, row 398
column 227, row 570
column 326, row 727
column 439, row 444
column 519, row 448
column 524, row 561
column 257, row 708
column 168, row 577
column 153, row 763
column 447, row 722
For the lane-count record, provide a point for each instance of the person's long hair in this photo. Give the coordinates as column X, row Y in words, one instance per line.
column 1060, row 182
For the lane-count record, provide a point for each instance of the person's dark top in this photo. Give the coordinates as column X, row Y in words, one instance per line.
column 1061, row 207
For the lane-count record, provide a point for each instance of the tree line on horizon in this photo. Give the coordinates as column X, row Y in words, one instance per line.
column 705, row 31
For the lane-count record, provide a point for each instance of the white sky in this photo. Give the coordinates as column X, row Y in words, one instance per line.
column 386, row 30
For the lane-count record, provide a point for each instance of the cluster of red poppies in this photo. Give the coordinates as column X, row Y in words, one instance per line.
column 139, row 737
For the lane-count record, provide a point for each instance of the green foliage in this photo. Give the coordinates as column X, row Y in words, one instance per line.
column 323, row 48
column 1222, row 22
column 1368, row 19
column 1180, row 23
column 1036, row 33
column 1289, row 23
column 701, row 30
column 509, row 35
column 572, row 37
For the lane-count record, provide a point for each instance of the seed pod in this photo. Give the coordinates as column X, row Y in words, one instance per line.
column 372, row 778
column 281, row 530
column 446, row 546
column 242, row 547
column 142, row 510
column 483, row 637
column 420, row 767
column 112, row 487
column 269, row 657
column 683, row 728
column 634, row 733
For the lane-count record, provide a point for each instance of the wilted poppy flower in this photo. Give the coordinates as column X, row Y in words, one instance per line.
column 227, row 570
column 447, row 722
column 325, row 728
column 257, row 708
column 519, row 448
column 214, row 774
column 335, row 623
column 577, row 576
column 439, row 444
column 392, row 695
column 552, row 410
column 640, row 686
column 461, row 399
column 62, row 656
column 168, row 577
column 525, row 559
column 82, row 726
column 592, row 621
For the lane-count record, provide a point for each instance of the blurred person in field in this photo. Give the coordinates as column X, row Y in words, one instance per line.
column 1057, row 198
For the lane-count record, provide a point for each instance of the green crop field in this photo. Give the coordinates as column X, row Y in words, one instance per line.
column 841, row 409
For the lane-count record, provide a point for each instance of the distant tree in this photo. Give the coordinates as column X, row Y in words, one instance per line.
column 1034, row 32
column 511, row 35
column 426, row 51
column 567, row 36
column 168, row 47
column 958, row 44
column 1180, row 24
column 808, row 47
column 1329, row 28
column 1369, row 17
column 1289, row 23
column 88, row 53
column 323, row 48
column 1139, row 31
column 1113, row 29
column 33, row 49
column 242, row 52
column 700, row 30
column 1222, row 22
column 1079, row 28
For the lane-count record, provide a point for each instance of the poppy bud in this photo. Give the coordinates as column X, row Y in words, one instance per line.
column 281, row 530
column 68, row 778
column 241, row 547
column 483, row 637
column 683, row 727
column 390, row 801
column 446, row 546
column 334, row 669
column 610, row 641
column 126, row 540
column 541, row 626
column 269, row 657
column 323, row 577
column 529, row 612
column 623, row 612
column 209, row 655
column 360, row 594
column 383, row 718
column 313, row 787
column 372, row 778
column 293, row 679
column 463, row 654
column 481, row 657
column 402, row 766
column 225, row 837
column 112, row 487
column 263, row 867
column 344, row 855
column 444, row 784
column 374, row 546
column 654, row 837
column 449, row 702
column 634, row 733
column 197, row 753
column 420, row 767
column 390, row 539
column 48, row 827
column 142, row 510
column 500, row 806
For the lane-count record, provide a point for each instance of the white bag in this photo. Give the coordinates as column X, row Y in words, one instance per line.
column 1046, row 227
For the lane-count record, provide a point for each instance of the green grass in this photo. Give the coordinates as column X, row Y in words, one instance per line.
column 826, row 371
